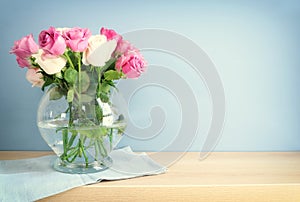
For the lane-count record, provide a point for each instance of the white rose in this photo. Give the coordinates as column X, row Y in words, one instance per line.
column 61, row 30
column 50, row 65
column 35, row 77
column 99, row 50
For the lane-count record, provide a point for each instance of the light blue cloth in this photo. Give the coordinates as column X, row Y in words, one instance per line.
column 33, row 179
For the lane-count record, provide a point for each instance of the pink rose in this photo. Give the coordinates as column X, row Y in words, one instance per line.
column 52, row 42
column 23, row 49
column 35, row 77
column 124, row 46
column 77, row 38
column 131, row 64
column 23, row 62
column 110, row 34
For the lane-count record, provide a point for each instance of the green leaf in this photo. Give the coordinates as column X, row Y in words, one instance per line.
column 71, row 75
column 92, row 88
column 70, row 95
column 112, row 75
column 112, row 84
column 86, row 98
column 105, row 87
column 110, row 64
column 48, row 81
column 88, row 133
column 60, row 128
column 104, row 97
column 84, row 81
column 55, row 93
column 99, row 113
column 93, row 132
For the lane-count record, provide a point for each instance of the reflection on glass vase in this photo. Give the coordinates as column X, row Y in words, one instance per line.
column 80, row 124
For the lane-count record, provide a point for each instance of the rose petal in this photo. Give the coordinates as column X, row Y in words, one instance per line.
column 102, row 53
column 50, row 65
column 34, row 77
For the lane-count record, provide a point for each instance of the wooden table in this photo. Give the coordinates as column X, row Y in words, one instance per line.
column 223, row 176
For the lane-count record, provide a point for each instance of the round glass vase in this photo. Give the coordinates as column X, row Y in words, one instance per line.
column 81, row 130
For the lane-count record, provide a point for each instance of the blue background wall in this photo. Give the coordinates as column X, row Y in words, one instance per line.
column 255, row 46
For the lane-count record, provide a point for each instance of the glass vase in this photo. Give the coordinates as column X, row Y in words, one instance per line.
column 81, row 124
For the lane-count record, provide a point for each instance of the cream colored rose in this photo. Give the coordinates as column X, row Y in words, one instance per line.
column 61, row 30
column 99, row 50
column 51, row 65
column 35, row 77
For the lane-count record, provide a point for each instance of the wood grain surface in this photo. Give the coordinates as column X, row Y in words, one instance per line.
column 223, row 176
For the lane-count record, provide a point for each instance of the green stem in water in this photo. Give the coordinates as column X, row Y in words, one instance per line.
column 71, row 115
column 74, row 153
column 65, row 141
column 81, row 148
column 74, row 134
column 74, row 157
column 110, row 138
column 96, row 150
column 101, row 146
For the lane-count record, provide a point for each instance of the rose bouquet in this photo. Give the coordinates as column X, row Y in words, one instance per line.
column 80, row 70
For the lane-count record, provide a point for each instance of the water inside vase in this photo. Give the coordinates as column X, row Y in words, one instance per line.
column 91, row 137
